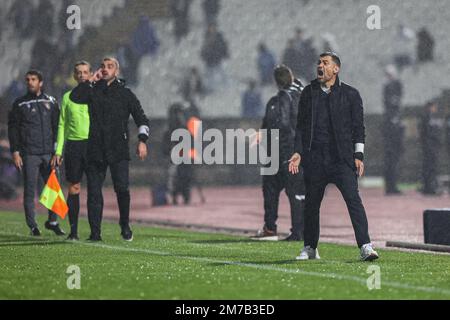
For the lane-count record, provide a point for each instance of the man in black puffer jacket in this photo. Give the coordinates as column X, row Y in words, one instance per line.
column 110, row 106
column 281, row 114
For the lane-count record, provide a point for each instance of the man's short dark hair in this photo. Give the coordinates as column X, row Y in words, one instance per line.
column 283, row 76
column 333, row 56
column 81, row 63
column 36, row 73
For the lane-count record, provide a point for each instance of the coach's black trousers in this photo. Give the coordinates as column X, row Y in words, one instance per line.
column 294, row 188
column 321, row 167
column 96, row 173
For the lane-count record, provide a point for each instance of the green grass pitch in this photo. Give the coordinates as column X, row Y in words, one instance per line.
column 172, row 264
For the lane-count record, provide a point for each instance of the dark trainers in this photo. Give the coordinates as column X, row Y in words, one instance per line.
column 55, row 228
column 35, row 232
column 293, row 237
column 126, row 233
column 94, row 238
column 73, row 237
column 266, row 234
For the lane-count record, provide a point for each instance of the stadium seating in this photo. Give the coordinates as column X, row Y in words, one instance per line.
column 15, row 52
column 244, row 23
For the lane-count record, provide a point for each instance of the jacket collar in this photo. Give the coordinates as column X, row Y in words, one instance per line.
column 34, row 96
column 316, row 84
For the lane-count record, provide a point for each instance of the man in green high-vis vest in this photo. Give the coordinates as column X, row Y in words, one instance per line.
column 73, row 134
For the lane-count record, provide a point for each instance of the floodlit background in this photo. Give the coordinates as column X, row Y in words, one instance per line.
column 160, row 42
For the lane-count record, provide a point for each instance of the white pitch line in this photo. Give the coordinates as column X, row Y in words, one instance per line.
column 328, row 275
column 360, row 280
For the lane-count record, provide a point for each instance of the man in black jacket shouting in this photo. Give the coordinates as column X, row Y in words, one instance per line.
column 110, row 106
column 329, row 144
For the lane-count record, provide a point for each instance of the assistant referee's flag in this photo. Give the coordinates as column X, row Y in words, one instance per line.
column 52, row 197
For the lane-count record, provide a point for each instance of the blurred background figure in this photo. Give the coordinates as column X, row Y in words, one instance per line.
column 179, row 176
column 214, row 51
column 192, row 87
column 21, row 16
column 404, row 42
column 251, row 103
column 291, row 58
column 393, row 129
column 431, row 133
column 181, row 19
column 211, row 9
column 9, row 177
column 266, row 63
column 145, row 39
column 329, row 42
column 425, row 46
column 307, row 55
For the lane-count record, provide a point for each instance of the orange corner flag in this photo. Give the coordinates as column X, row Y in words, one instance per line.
column 52, row 197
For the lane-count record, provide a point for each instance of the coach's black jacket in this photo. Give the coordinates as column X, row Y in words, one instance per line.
column 347, row 118
column 33, row 125
column 110, row 108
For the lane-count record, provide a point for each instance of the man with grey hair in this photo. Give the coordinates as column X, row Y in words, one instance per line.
column 110, row 105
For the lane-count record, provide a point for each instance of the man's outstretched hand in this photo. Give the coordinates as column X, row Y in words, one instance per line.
column 294, row 163
column 141, row 151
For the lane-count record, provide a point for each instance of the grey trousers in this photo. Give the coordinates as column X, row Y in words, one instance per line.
column 33, row 166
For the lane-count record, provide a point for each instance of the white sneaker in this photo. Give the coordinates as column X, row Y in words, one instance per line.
column 368, row 253
column 308, row 253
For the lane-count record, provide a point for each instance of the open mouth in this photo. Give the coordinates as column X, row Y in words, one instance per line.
column 319, row 72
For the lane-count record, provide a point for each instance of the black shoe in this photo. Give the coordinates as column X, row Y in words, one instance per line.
column 126, row 233
column 55, row 228
column 73, row 237
column 265, row 234
column 35, row 232
column 94, row 238
column 293, row 237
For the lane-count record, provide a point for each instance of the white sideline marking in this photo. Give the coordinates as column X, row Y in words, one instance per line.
column 360, row 280
column 328, row 275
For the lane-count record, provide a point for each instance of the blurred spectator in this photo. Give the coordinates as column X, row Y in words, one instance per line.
column 393, row 129
column 46, row 57
column 66, row 36
column 329, row 42
column 211, row 10
column 21, row 15
column 43, row 18
column 179, row 176
column 180, row 13
column 291, row 58
column 128, row 63
column 192, row 85
column 307, row 55
column 15, row 89
column 431, row 133
column 403, row 47
column 145, row 40
column 266, row 64
column 9, row 176
column 251, row 102
column 425, row 46
column 214, row 51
